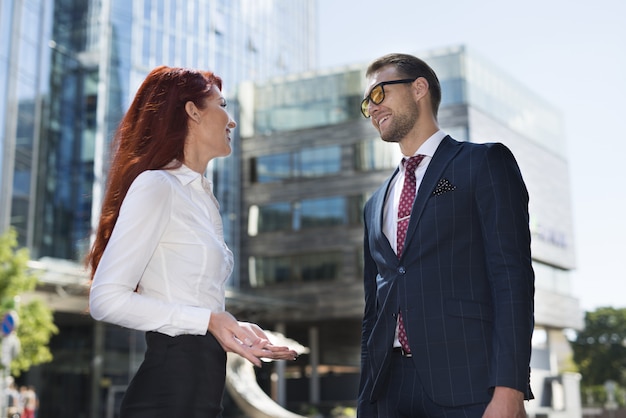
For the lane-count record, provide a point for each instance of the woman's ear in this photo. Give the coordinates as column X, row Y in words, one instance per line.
column 192, row 111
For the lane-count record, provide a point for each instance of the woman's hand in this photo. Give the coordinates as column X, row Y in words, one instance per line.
column 246, row 339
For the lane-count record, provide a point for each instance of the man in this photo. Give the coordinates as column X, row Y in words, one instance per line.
column 448, row 280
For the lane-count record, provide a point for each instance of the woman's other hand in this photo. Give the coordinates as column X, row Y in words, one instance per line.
column 246, row 339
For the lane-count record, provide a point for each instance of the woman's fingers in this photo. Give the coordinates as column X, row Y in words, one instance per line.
column 247, row 353
column 246, row 339
column 229, row 334
column 278, row 353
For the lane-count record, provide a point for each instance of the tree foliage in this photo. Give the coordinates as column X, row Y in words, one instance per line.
column 600, row 349
column 35, row 321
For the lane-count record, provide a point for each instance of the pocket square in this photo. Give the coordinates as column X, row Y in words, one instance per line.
column 443, row 186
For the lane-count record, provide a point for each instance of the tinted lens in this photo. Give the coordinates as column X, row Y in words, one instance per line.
column 377, row 95
column 364, row 111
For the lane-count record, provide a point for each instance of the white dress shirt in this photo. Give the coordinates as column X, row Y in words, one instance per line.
column 390, row 213
column 165, row 266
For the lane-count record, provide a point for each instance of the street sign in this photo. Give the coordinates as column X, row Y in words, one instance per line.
column 8, row 323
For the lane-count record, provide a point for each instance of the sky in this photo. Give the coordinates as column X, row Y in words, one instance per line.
column 571, row 53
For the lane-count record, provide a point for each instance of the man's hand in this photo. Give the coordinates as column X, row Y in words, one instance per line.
column 506, row 403
column 246, row 339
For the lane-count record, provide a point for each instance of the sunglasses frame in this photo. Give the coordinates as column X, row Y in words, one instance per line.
column 382, row 84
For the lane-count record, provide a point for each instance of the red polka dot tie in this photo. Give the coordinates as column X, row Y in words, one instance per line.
column 404, row 214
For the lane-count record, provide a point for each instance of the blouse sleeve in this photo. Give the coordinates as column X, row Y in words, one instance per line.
column 143, row 218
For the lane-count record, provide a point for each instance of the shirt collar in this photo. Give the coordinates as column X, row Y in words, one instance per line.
column 429, row 146
column 187, row 176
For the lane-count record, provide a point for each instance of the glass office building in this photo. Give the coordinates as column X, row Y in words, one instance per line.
column 68, row 71
column 310, row 161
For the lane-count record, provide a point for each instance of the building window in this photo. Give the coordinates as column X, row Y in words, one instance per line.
column 315, row 267
column 356, row 204
column 305, row 214
column 317, row 162
column 459, row 133
column 304, row 163
column 374, row 154
column 146, row 51
column 274, row 217
column 270, row 168
column 329, row 211
column 453, row 91
column 267, row 271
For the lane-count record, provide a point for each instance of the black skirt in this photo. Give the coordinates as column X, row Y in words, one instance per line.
column 180, row 376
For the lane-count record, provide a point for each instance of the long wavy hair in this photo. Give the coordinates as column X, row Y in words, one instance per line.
column 150, row 136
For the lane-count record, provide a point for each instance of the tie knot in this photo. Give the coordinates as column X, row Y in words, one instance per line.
column 410, row 164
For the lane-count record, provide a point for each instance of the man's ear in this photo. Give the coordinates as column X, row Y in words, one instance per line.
column 420, row 87
column 192, row 111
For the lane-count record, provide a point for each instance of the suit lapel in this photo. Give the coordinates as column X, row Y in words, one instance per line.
column 445, row 152
column 379, row 210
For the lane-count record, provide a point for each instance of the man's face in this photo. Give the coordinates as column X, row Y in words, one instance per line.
column 396, row 115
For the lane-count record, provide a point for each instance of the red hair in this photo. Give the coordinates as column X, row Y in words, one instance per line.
column 150, row 136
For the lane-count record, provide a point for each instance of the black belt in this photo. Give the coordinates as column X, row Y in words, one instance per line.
column 401, row 351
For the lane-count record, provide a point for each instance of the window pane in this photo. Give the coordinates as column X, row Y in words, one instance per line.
column 275, row 217
column 265, row 271
column 270, row 270
column 313, row 267
column 323, row 212
column 308, row 162
column 375, row 154
column 355, row 209
column 271, row 168
column 315, row 162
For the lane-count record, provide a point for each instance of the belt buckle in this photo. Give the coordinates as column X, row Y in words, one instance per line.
column 402, row 352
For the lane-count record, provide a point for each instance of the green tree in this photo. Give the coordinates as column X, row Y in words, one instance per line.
column 600, row 349
column 35, row 321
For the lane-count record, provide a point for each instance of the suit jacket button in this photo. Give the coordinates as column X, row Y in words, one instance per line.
column 401, row 270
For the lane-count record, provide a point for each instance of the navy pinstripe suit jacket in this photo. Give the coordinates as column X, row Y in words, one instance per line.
column 464, row 284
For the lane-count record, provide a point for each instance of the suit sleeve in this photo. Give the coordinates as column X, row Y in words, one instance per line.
column 503, row 208
column 365, row 407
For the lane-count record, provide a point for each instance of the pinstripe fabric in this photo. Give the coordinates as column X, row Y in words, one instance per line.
column 464, row 281
column 408, row 400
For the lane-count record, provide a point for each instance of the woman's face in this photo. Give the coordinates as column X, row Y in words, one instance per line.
column 210, row 128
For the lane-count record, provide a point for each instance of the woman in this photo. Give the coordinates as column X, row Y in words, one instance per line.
column 159, row 262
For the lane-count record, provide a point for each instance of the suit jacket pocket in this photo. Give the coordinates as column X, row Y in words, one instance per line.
column 469, row 309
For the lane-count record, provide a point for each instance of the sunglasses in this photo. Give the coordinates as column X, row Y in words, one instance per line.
column 377, row 94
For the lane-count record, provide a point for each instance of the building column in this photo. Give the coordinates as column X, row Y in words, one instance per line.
column 314, row 385
column 8, row 143
column 279, row 369
column 96, row 368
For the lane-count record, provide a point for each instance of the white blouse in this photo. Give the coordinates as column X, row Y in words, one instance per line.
column 166, row 264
